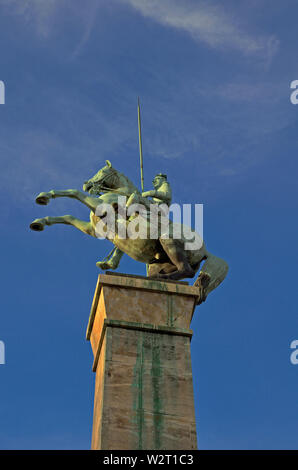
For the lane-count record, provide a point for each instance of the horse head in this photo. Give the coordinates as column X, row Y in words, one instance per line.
column 103, row 180
column 108, row 179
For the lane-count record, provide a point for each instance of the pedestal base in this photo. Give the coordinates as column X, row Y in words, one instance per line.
column 139, row 332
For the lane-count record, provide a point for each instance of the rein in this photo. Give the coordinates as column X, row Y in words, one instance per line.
column 102, row 187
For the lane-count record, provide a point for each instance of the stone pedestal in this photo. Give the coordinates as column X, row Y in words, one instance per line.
column 140, row 337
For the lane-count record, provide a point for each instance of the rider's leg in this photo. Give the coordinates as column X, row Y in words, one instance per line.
column 136, row 198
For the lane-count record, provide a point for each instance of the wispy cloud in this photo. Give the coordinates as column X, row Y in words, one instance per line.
column 206, row 22
column 89, row 23
column 35, row 158
column 39, row 11
column 184, row 115
column 42, row 15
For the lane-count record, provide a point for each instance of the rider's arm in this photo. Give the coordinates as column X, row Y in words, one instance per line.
column 149, row 193
column 164, row 193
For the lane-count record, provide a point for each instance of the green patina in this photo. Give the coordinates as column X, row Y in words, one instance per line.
column 105, row 187
column 156, row 285
column 137, row 385
column 170, row 310
column 130, row 282
column 156, row 375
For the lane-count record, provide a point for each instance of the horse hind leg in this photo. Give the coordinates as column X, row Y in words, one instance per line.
column 155, row 269
column 174, row 249
column 111, row 261
column 212, row 274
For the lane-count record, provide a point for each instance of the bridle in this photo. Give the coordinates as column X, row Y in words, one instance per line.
column 101, row 186
column 104, row 179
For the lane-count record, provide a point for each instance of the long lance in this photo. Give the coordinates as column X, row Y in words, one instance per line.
column 140, row 145
column 141, row 158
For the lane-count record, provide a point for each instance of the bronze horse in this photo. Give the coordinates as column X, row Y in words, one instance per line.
column 166, row 257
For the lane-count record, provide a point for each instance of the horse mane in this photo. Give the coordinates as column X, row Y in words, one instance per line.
column 128, row 182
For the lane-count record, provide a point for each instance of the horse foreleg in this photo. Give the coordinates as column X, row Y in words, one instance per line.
column 89, row 201
column 86, row 227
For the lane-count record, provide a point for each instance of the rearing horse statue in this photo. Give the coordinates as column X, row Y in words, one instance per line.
column 166, row 257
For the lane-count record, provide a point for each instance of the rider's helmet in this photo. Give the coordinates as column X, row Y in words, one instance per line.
column 157, row 179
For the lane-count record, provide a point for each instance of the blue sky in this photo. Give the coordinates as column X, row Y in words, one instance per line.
column 214, row 83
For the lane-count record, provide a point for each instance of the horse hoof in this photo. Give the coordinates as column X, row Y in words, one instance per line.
column 104, row 265
column 37, row 225
column 43, row 199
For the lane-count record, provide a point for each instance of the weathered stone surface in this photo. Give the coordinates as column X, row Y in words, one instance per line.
column 143, row 389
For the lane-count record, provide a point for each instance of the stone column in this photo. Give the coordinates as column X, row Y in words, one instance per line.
column 140, row 337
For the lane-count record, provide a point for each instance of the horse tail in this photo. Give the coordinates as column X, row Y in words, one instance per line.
column 216, row 269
